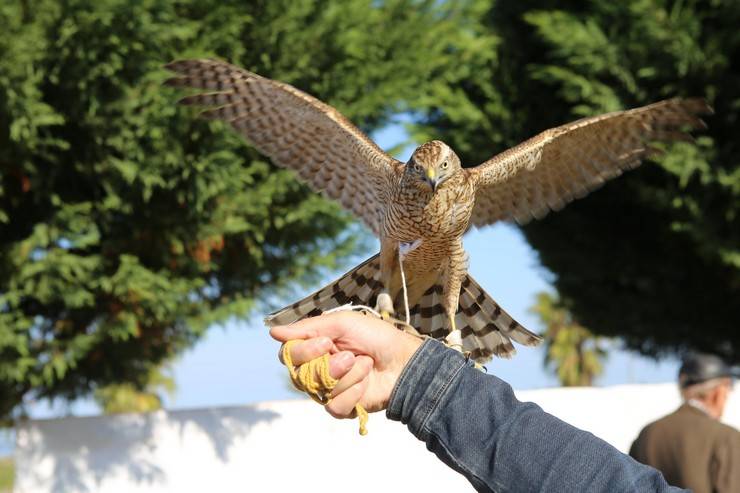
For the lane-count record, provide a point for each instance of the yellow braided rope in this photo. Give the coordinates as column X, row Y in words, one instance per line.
column 313, row 378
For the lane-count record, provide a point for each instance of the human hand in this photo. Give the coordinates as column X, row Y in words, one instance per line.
column 379, row 350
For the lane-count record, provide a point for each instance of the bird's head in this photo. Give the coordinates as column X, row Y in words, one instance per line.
column 431, row 165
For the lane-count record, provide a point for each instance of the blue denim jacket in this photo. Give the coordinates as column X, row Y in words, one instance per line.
column 475, row 425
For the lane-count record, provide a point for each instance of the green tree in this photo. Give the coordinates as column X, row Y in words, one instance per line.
column 654, row 256
column 127, row 225
column 7, row 474
column 572, row 351
column 129, row 398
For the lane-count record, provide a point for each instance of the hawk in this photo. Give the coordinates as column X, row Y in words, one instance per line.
column 421, row 209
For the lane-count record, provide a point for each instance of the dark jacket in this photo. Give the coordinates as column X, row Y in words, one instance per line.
column 692, row 450
column 473, row 422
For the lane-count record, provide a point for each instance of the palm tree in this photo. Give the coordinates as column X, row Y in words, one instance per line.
column 572, row 351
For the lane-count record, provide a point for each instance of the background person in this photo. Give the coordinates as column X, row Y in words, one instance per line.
column 690, row 446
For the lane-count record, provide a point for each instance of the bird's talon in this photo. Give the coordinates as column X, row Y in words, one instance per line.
column 384, row 306
column 454, row 340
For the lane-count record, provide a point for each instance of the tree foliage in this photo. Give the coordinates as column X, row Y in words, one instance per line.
column 572, row 351
column 127, row 225
column 7, row 474
column 654, row 256
column 126, row 397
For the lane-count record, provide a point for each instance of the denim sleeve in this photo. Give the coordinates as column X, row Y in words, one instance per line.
column 475, row 425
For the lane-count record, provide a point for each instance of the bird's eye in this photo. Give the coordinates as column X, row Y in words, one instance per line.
column 417, row 168
column 444, row 165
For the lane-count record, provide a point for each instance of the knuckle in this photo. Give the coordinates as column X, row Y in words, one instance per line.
column 335, row 410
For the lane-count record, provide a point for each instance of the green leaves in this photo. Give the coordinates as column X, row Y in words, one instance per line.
column 126, row 398
column 574, row 354
column 127, row 225
column 652, row 256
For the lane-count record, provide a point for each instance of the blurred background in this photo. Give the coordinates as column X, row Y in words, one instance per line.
column 140, row 247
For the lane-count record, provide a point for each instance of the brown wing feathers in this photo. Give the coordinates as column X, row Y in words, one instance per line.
column 296, row 131
column 566, row 162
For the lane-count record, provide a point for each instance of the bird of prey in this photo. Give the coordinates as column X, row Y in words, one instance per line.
column 421, row 209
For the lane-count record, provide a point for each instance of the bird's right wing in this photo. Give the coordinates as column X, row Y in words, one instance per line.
column 296, row 131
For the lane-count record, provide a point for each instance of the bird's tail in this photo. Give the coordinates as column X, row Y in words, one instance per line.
column 360, row 286
column 487, row 329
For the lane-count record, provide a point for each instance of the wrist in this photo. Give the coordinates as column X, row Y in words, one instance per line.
column 424, row 382
column 410, row 346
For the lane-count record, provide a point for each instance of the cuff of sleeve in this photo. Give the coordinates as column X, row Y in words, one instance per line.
column 423, row 384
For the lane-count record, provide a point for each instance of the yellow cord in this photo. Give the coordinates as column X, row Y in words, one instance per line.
column 313, row 378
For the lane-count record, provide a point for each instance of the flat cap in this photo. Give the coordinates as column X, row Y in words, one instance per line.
column 698, row 368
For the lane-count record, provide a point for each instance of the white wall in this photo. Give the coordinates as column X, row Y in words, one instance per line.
column 286, row 446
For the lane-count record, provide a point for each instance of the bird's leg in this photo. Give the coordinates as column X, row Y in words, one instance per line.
column 384, row 303
column 454, row 275
column 454, row 338
column 404, row 248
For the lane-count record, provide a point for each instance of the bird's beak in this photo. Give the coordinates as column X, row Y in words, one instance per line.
column 432, row 179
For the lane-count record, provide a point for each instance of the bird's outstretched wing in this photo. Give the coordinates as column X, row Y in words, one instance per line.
column 565, row 163
column 296, row 131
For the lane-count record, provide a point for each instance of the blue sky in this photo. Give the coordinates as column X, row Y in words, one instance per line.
column 236, row 362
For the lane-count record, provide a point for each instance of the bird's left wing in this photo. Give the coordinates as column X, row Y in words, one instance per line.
column 296, row 131
column 564, row 163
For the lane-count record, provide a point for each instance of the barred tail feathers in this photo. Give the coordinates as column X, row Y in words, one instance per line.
column 359, row 286
column 486, row 328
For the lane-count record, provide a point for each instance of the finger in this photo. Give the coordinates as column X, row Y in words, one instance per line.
column 331, row 325
column 340, row 364
column 305, row 351
column 343, row 405
column 358, row 372
column 285, row 333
